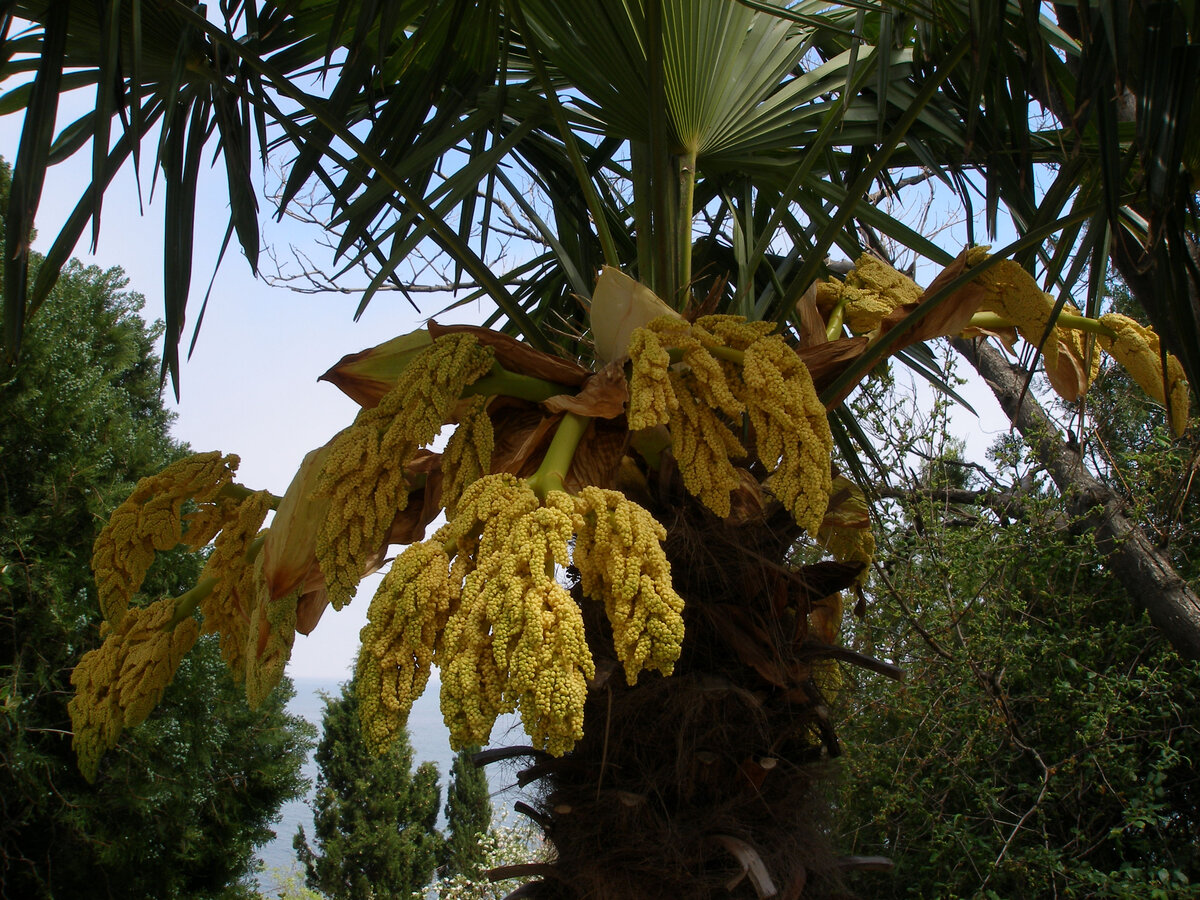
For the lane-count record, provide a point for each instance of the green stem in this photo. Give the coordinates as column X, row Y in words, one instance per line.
column 833, row 329
column 1064, row 320
column 552, row 473
column 186, row 603
column 511, row 384
column 687, row 193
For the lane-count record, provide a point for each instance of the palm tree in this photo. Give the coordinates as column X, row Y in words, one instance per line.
column 718, row 152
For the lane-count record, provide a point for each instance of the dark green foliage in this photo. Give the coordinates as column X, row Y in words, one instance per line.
column 468, row 815
column 181, row 804
column 1046, row 742
column 374, row 817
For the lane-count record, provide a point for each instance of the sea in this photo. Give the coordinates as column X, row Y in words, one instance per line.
column 430, row 742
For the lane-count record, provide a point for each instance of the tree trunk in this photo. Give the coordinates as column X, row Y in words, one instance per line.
column 1142, row 568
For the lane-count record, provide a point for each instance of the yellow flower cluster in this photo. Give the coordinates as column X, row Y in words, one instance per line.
column 650, row 396
column 272, row 633
column 1137, row 348
column 849, row 545
column 232, row 564
column 729, row 367
column 149, row 520
column 407, row 613
column 505, row 634
column 869, row 293
column 516, row 638
column 619, row 555
column 703, row 444
column 468, row 453
column 119, row 683
column 364, row 472
column 792, row 436
column 734, row 331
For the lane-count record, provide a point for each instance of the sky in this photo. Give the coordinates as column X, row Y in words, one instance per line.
column 250, row 387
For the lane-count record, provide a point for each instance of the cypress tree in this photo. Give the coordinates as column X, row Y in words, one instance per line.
column 374, row 818
column 468, row 815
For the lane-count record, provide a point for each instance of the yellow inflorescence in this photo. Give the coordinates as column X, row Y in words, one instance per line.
column 364, row 473
column 406, row 615
column 728, row 367
column 703, row 445
column 619, row 555
column 1014, row 294
column 149, row 520
column 504, row 633
column 870, row 292
column 850, row 545
column 232, row 563
column 118, row 684
column 650, row 396
column 791, row 432
column 516, row 639
column 272, row 633
column 468, row 453
column 1137, row 348
column 734, row 331
column 472, row 683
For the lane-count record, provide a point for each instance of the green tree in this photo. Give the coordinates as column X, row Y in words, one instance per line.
column 720, row 153
column 468, row 815
column 1045, row 740
column 181, row 805
column 374, row 817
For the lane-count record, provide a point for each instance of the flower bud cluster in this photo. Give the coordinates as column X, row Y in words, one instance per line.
column 619, row 555
column 227, row 607
column 364, row 473
column 468, row 453
column 406, row 615
column 792, row 435
column 868, row 294
column 269, row 646
column 150, row 520
column 516, row 639
column 120, row 682
column 505, row 634
column 1137, row 348
column 728, row 368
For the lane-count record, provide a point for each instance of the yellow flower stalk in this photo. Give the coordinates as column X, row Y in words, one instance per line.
column 516, row 639
column 468, row 454
column 792, row 435
column 1138, row 349
column 619, row 555
column 149, row 520
column 269, row 645
column 651, row 399
column 363, row 476
column 734, row 331
column 407, row 613
column 703, row 445
column 118, row 684
column 472, row 681
column 232, row 566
